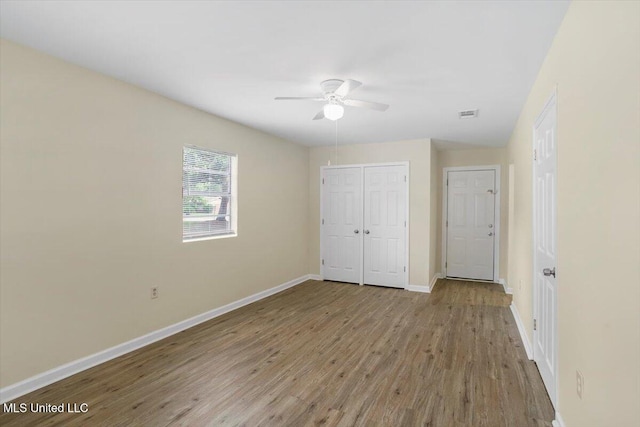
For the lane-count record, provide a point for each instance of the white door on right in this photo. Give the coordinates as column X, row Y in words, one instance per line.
column 470, row 224
column 545, row 250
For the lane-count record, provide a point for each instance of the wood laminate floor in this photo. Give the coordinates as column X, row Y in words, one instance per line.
column 322, row 353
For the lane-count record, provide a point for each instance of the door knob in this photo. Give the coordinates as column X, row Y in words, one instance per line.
column 366, row 231
column 549, row 272
column 490, row 225
column 490, row 234
column 356, row 231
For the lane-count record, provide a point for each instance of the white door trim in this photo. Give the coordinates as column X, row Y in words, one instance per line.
column 362, row 166
column 552, row 102
column 496, row 246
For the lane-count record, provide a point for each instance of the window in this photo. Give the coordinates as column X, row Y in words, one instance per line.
column 208, row 194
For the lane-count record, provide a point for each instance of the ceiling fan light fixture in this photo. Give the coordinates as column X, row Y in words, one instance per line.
column 335, row 95
column 333, row 111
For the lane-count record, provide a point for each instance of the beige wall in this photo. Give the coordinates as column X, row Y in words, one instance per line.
column 91, row 213
column 474, row 157
column 595, row 63
column 418, row 152
column 433, row 215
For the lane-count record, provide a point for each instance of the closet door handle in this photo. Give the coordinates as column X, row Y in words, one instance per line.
column 549, row 271
column 366, row 231
column 356, row 231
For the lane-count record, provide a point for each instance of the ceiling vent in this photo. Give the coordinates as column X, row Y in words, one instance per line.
column 468, row 114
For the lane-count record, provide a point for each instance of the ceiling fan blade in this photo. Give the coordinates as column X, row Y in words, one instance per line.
column 297, row 98
column 365, row 104
column 346, row 87
column 320, row 115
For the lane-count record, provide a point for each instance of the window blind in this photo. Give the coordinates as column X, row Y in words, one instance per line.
column 206, row 193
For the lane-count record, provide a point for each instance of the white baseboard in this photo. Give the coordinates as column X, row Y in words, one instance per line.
column 523, row 334
column 558, row 422
column 418, row 288
column 434, row 279
column 424, row 289
column 315, row 277
column 507, row 290
column 56, row 374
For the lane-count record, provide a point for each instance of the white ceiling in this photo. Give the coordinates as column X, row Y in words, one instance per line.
column 428, row 60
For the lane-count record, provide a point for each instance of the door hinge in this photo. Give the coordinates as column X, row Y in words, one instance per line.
column 445, row 264
column 323, row 180
column 322, row 221
column 405, row 269
column 447, row 181
column 405, row 224
column 405, row 178
column 535, row 325
column 535, row 154
column 322, row 262
column 447, row 223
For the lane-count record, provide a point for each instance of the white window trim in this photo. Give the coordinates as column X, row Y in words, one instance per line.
column 234, row 197
column 217, row 236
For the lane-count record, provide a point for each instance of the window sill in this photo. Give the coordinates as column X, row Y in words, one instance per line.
column 220, row 236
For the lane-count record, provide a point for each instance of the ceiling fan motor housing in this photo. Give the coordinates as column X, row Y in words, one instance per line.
column 330, row 86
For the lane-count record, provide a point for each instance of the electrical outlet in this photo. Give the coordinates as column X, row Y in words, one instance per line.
column 579, row 384
column 154, row 292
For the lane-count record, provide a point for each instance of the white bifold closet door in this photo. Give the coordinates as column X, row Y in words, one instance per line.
column 385, row 216
column 341, row 224
column 364, row 220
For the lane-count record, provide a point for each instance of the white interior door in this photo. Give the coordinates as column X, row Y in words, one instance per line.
column 470, row 224
column 342, row 216
column 385, row 216
column 545, row 251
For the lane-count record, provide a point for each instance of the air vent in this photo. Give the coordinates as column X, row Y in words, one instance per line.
column 468, row 114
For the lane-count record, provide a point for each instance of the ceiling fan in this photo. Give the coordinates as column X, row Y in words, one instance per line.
column 335, row 96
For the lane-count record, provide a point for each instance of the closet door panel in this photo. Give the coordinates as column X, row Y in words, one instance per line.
column 342, row 217
column 385, row 201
